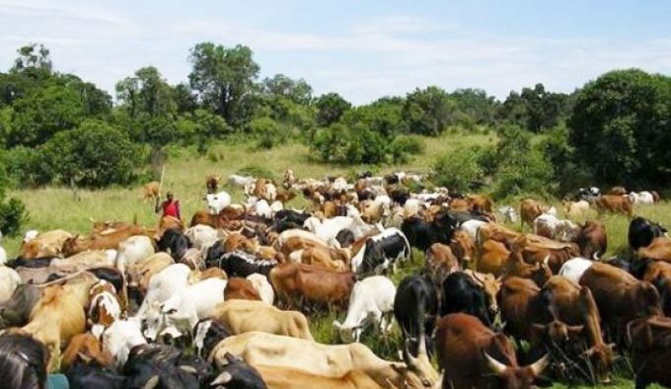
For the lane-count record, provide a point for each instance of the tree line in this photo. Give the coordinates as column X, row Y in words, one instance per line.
column 59, row 129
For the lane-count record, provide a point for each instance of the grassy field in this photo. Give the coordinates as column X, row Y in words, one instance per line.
column 51, row 208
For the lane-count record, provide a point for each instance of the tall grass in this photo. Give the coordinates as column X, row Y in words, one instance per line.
column 52, row 208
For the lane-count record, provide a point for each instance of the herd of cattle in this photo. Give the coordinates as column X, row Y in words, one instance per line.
column 223, row 303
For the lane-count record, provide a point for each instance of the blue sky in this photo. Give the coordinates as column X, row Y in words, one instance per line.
column 362, row 50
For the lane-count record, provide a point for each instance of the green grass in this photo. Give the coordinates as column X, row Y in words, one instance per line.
column 52, row 208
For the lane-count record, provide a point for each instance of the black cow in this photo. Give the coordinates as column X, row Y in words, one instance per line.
column 175, row 243
column 164, row 366
column 286, row 219
column 111, row 275
column 642, row 231
column 84, row 376
column 30, row 263
column 379, row 251
column 241, row 264
column 462, row 294
column 345, row 237
column 206, row 334
column 399, row 195
column 415, row 310
column 422, row 234
column 237, row 374
column 15, row 312
column 622, row 263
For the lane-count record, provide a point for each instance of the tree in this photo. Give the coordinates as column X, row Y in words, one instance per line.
column 43, row 113
column 95, row 154
column 535, row 109
column 146, row 93
column 224, row 79
column 620, row 127
column 330, row 107
column 475, row 105
column 33, row 56
column 382, row 117
column 428, row 111
column 298, row 91
column 184, row 98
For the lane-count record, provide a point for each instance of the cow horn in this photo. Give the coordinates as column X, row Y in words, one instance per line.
column 496, row 366
column 222, row 379
column 151, row 383
column 92, row 219
column 407, row 357
column 540, row 365
column 595, row 256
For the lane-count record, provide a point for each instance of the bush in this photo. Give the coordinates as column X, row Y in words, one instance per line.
column 12, row 215
column 268, row 132
column 411, row 144
column 256, row 171
column 351, row 145
column 460, row 170
column 95, row 154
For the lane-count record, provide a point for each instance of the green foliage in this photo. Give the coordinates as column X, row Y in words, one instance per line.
column 21, row 167
column 33, row 56
column 535, row 109
column 520, row 168
column 43, row 113
column 620, row 127
column 350, row 145
column 474, row 107
column 146, row 94
column 459, row 171
column 267, row 131
column 12, row 215
column 568, row 172
column 94, row 154
column 429, row 111
column 224, row 79
column 330, row 107
column 256, row 171
column 281, row 86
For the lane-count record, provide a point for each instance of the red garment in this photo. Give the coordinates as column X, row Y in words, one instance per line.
column 171, row 208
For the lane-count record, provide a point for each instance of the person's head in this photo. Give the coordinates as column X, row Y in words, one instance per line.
column 168, row 195
column 23, row 362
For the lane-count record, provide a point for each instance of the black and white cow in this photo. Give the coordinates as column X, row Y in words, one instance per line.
column 241, row 264
column 642, row 231
column 206, row 334
column 415, row 310
column 381, row 251
column 174, row 242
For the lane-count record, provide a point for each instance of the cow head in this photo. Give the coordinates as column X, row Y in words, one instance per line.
column 418, row 372
column 601, row 356
column 517, row 377
column 647, row 300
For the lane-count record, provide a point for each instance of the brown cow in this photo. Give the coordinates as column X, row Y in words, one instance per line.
column 480, row 204
column 539, row 249
column 575, row 305
column 297, row 281
column 46, row 244
column 85, row 348
column 592, row 239
column 463, row 247
column 440, row 262
column 619, row 296
column 650, row 338
column 497, row 259
column 465, row 348
column 212, row 183
column 326, row 257
column 529, row 210
column 150, row 191
column 59, row 314
column 527, row 316
column 658, row 273
column 105, row 241
column 659, row 250
column 237, row 241
column 240, row 289
column 613, row 204
column 617, row 190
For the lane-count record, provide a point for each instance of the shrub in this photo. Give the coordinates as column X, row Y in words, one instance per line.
column 411, row 144
column 95, row 154
column 257, row 172
column 12, row 215
column 459, row 170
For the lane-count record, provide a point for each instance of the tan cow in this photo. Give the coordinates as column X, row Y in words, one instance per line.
column 242, row 316
column 258, row 348
column 150, row 191
column 46, row 244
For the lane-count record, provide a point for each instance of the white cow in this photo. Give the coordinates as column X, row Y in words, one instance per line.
column 259, row 207
column 262, row 286
column 195, row 302
column 644, row 197
column 552, row 227
column 472, row 226
column 508, row 214
column 574, row 268
column 576, row 209
column 133, row 250
column 9, row 281
column 161, row 287
column 202, row 236
column 371, row 303
column 30, row 235
column 120, row 337
column 327, row 229
column 239, row 181
column 217, row 202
